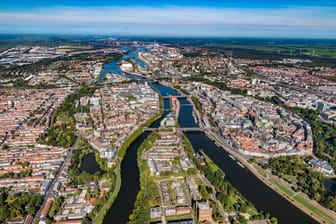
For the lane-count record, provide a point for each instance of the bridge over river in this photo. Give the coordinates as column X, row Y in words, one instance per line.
column 178, row 97
column 186, row 129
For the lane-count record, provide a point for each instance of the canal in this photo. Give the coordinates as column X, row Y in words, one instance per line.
column 254, row 190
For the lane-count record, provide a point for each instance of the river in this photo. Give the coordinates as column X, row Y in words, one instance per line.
column 124, row 203
column 263, row 197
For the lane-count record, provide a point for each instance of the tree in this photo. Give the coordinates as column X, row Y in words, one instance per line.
column 274, row 220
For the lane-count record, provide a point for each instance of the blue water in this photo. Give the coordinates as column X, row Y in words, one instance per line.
column 113, row 66
column 246, row 183
column 330, row 185
column 165, row 91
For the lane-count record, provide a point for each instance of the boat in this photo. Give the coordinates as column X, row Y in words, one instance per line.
column 241, row 165
column 232, row 157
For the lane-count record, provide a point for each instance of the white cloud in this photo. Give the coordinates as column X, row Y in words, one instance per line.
column 307, row 17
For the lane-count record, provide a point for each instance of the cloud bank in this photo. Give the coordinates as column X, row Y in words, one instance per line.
column 169, row 20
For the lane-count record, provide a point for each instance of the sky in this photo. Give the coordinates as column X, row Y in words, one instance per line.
column 182, row 18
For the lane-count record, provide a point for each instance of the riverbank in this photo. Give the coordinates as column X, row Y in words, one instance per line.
column 196, row 113
column 322, row 214
column 305, row 204
column 246, row 182
column 102, row 213
column 308, row 206
column 146, row 197
column 121, row 154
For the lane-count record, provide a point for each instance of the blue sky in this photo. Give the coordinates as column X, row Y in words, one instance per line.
column 213, row 18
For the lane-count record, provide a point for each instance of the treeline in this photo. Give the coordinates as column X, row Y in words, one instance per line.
column 274, row 54
column 63, row 134
column 186, row 92
column 21, row 174
column 219, row 84
column 305, row 180
column 56, row 206
column 148, row 195
column 197, row 103
column 17, row 206
column 76, row 175
column 229, row 197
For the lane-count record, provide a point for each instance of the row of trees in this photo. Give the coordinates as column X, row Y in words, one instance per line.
column 219, row 84
column 148, row 195
column 21, row 174
column 303, row 178
column 77, row 176
column 186, row 92
column 197, row 103
column 229, row 197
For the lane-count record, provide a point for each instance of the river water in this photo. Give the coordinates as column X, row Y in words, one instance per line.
column 263, row 197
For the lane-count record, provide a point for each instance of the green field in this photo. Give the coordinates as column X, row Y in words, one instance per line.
column 312, row 49
column 314, row 210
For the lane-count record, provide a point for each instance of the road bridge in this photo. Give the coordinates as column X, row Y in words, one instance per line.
column 185, row 129
column 178, row 97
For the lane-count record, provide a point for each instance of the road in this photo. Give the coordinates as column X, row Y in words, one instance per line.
column 49, row 192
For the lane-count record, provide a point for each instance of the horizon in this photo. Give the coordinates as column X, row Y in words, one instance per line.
column 190, row 19
column 139, row 37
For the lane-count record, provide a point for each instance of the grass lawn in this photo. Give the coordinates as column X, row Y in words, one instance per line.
column 298, row 198
column 283, row 188
column 314, row 210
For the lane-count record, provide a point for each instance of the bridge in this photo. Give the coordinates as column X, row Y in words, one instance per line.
column 178, row 97
column 186, row 129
